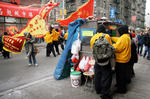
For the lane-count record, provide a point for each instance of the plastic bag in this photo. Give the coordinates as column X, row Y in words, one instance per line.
column 87, row 66
column 76, row 47
column 82, row 63
column 75, row 58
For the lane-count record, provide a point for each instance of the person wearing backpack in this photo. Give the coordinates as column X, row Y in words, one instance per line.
column 103, row 71
column 123, row 55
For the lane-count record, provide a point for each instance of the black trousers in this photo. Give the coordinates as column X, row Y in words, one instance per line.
column 122, row 77
column 6, row 54
column 49, row 49
column 103, row 79
column 56, row 43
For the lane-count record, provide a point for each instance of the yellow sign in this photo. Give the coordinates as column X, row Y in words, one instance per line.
column 87, row 33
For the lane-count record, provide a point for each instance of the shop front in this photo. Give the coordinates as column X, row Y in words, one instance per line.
column 13, row 18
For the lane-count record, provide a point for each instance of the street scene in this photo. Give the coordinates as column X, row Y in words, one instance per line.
column 71, row 49
column 18, row 81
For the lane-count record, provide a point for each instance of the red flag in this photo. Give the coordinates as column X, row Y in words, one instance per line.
column 14, row 45
column 83, row 12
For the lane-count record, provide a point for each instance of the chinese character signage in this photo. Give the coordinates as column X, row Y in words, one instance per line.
column 14, row 45
column 112, row 13
column 17, row 10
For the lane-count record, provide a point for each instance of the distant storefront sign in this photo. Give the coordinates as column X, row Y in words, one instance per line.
column 112, row 13
column 133, row 19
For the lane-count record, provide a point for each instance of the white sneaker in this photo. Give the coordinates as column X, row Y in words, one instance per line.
column 29, row 64
column 35, row 64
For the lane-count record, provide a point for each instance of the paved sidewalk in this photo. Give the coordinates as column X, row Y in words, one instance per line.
column 49, row 88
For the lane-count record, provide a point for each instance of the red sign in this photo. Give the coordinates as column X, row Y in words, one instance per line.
column 17, row 10
column 83, row 12
column 14, row 45
column 133, row 19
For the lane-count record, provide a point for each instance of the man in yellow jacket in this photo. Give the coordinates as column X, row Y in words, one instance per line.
column 55, row 39
column 66, row 36
column 103, row 74
column 123, row 54
column 50, row 47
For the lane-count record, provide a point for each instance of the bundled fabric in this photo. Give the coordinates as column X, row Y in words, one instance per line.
column 72, row 36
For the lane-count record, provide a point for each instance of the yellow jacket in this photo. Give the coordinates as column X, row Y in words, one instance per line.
column 96, row 36
column 48, row 38
column 122, row 48
column 55, row 35
column 66, row 35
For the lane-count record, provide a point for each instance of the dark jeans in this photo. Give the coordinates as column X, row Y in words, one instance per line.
column 140, row 49
column 103, row 79
column 6, row 54
column 32, row 57
column 122, row 76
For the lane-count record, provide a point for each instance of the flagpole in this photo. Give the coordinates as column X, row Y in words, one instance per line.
column 63, row 10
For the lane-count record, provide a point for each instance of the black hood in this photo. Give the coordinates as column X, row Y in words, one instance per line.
column 123, row 30
column 101, row 28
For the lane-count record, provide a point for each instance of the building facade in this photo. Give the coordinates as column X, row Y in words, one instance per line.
column 124, row 10
column 15, row 15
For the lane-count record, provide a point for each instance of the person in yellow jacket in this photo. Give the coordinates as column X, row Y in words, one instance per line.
column 56, row 35
column 49, row 40
column 103, row 74
column 123, row 55
column 66, row 36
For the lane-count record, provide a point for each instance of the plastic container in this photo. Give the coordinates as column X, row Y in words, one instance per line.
column 75, row 78
column 72, row 69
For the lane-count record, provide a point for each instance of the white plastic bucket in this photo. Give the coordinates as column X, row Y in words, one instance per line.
column 75, row 80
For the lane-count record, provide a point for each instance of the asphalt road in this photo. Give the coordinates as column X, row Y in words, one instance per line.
column 15, row 71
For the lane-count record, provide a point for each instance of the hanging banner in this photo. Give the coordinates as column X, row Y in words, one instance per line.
column 11, row 10
column 112, row 13
column 37, row 25
column 13, row 45
column 133, row 18
column 83, row 12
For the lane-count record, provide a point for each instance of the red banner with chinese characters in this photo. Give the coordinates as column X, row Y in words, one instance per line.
column 83, row 12
column 13, row 45
column 11, row 10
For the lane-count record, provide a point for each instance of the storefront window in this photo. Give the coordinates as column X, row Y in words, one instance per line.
column 1, row 29
column 24, row 20
column 12, row 20
column 2, row 19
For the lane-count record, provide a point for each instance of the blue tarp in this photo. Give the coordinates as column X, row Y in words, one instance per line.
column 73, row 32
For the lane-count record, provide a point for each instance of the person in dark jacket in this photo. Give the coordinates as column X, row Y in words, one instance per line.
column 1, row 44
column 6, row 54
column 146, row 42
column 30, row 49
column 133, row 59
column 140, row 43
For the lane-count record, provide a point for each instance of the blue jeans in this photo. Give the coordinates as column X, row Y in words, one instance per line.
column 32, row 56
column 145, row 51
column 148, row 53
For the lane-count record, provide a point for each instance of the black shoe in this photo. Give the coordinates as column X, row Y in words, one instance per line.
column 120, row 91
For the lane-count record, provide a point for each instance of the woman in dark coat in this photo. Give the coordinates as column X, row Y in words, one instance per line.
column 6, row 54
